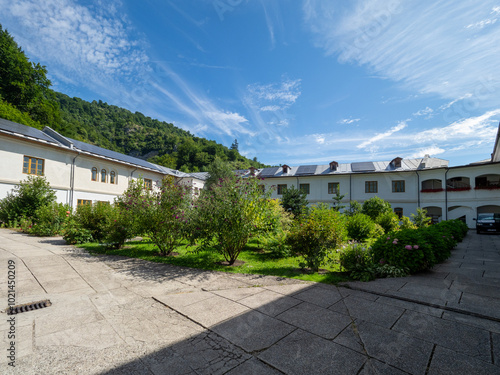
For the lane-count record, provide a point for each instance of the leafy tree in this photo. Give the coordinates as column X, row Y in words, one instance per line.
column 227, row 215
column 294, row 200
column 337, row 202
column 421, row 219
column 24, row 84
column 219, row 171
column 159, row 213
column 375, row 206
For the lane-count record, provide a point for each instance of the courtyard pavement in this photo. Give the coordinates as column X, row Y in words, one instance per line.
column 115, row 315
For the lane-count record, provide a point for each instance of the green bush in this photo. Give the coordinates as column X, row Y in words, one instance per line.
column 406, row 223
column 360, row 227
column 25, row 199
column 419, row 249
column 375, row 206
column 96, row 218
column 316, row 234
column 421, row 219
column 75, row 233
column 295, row 201
column 276, row 244
column 228, row 214
column 160, row 213
column 388, row 220
column 354, row 254
column 406, row 248
column 50, row 220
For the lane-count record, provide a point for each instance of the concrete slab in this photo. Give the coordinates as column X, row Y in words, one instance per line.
column 319, row 296
column 322, row 322
column 446, row 361
column 269, row 302
column 463, row 339
column 375, row 312
column 253, row 331
column 304, row 353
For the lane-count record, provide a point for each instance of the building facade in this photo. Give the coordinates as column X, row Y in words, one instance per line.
column 79, row 173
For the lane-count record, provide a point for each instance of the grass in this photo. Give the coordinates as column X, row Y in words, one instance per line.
column 256, row 261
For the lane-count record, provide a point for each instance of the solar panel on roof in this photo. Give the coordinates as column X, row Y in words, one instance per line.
column 112, row 154
column 24, row 130
column 365, row 166
column 269, row 172
column 306, row 169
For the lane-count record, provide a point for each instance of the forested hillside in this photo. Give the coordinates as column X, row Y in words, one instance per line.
column 26, row 98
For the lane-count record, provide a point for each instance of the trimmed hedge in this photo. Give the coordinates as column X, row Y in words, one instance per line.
column 419, row 249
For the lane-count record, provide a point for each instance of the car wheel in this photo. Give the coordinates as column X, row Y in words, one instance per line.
column 478, row 231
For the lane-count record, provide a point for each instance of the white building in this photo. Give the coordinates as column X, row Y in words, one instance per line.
column 82, row 173
column 446, row 192
column 78, row 172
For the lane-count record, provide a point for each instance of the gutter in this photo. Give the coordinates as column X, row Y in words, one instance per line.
column 446, row 193
column 72, row 181
column 418, row 189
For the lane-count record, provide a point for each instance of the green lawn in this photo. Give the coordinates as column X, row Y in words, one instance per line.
column 256, row 261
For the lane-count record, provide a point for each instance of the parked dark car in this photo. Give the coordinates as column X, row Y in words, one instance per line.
column 488, row 223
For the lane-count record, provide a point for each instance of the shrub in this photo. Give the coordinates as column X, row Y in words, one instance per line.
column 421, row 219
column 388, row 220
column 354, row 208
column 294, row 201
column 226, row 216
column 75, row 233
column 96, row 218
column 276, row 244
column 354, row 254
column 375, row 206
column 406, row 223
column 50, row 219
column 316, row 234
column 25, row 199
column 404, row 249
column 358, row 260
column 159, row 213
column 360, row 227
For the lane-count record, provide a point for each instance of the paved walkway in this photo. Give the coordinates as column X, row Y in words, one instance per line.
column 113, row 315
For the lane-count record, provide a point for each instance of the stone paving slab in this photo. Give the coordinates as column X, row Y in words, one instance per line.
column 115, row 315
column 304, row 353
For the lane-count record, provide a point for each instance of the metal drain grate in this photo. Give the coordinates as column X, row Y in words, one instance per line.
column 28, row 307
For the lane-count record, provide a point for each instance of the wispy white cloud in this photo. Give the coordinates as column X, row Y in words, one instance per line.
column 431, row 151
column 91, row 47
column 282, row 94
column 424, row 45
column 478, row 127
column 384, row 135
column 201, row 109
column 427, row 111
column 348, row 121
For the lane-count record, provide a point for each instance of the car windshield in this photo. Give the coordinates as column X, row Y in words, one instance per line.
column 485, row 217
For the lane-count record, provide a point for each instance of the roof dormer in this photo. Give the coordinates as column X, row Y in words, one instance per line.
column 396, row 162
column 285, row 168
column 334, row 166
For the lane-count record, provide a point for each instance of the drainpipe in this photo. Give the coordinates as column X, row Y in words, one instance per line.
column 446, row 193
column 132, row 174
column 418, row 189
column 350, row 190
column 72, row 181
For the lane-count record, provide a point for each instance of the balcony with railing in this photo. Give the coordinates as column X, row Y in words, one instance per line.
column 458, row 184
column 432, row 186
column 488, row 182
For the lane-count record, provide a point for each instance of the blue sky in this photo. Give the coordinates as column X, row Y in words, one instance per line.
column 295, row 82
